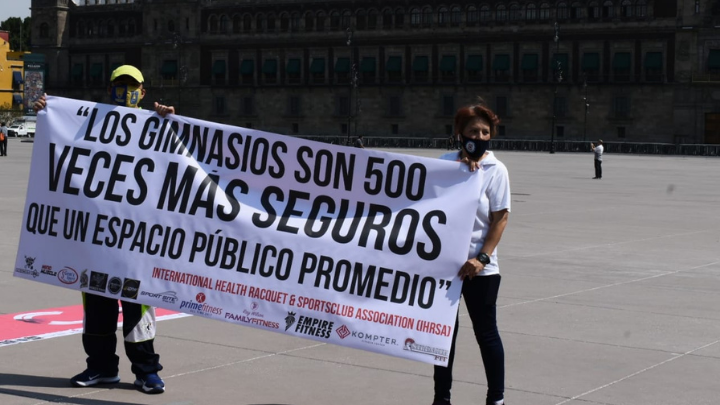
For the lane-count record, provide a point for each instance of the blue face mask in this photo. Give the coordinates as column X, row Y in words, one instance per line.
column 126, row 95
column 475, row 148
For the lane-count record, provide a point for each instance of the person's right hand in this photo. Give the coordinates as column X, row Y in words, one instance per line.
column 40, row 103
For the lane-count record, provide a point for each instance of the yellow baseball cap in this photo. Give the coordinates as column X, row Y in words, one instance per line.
column 127, row 70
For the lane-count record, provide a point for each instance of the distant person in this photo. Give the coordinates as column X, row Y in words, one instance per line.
column 3, row 139
column 101, row 313
column 450, row 142
column 475, row 125
column 359, row 142
column 598, row 151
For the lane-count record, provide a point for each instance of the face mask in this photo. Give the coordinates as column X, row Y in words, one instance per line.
column 126, row 95
column 475, row 148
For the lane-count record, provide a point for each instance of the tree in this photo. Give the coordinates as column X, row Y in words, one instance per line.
column 8, row 115
column 19, row 30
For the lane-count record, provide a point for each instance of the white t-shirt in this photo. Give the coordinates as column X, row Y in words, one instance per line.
column 495, row 196
column 598, row 152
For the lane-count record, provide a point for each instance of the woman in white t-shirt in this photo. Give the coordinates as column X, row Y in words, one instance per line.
column 475, row 126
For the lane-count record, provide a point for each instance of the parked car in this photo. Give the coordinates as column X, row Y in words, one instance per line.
column 26, row 129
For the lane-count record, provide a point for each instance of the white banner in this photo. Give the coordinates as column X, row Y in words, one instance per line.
column 348, row 246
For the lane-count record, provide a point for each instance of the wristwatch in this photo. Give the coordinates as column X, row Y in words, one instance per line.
column 484, row 258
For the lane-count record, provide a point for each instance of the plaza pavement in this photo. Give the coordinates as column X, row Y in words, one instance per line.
column 610, row 295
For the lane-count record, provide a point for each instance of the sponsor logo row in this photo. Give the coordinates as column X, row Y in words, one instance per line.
column 128, row 288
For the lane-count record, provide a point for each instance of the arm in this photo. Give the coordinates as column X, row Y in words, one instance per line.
column 499, row 221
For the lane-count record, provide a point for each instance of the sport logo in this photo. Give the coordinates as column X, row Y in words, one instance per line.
column 67, row 275
column 29, row 262
column 115, row 285
column 130, row 288
column 29, row 269
column 314, row 327
column 84, row 279
column 48, row 270
column 200, row 307
column 343, row 332
column 98, row 281
column 168, row 296
column 289, row 320
column 410, row 345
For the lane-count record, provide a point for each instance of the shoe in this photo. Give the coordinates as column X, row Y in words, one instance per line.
column 441, row 402
column 89, row 378
column 595, row 178
column 150, row 383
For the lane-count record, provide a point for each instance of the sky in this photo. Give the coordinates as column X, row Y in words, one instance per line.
column 14, row 8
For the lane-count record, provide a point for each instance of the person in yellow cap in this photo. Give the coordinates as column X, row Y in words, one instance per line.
column 101, row 313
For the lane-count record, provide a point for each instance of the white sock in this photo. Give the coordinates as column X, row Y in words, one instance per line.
column 500, row 402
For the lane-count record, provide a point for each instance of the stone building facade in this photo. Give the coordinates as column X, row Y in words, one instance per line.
column 621, row 70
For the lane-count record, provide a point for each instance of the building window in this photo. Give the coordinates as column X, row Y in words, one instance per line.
column 320, row 22
column 421, row 69
column 529, row 66
column 394, row 106
column 544, row 12
column 560, row 108
column 344, row 129
column 593, row 11
column 501, row 14
column 621, row 132
column 627, row 8
column 295, row 22
column 77, row 73
column 560, row 131
column 295, row 128
column 218, row 72
column 220, row 105
column 346, row 20
column 501, row 130
column 608, row 10
column 343, row 106
column 442, row 16
column 472, row 16
column 247, row 23
column 501, row 106
column 361, row 20
column 44, row 30
column 474, row 67
column 247, row 106
column 342, row 70
column 97, row 77
column 485, row 13
column 576, row 11
column 294, row 106
column 372, row 20
column 317, row 70
column 387, row 19
column 399, row 18
column 621, row 107
column 448, row 106
column 501, row 67
column 247, row 71
column 394, row 129
column 293, row 71
column 168, row 70
column 368, row 70
column 271, row 23
column 641, row 8
column 269, row 71
column 591, row 66
column 455, row 16
column 515, row 12
column 653, row 66
column 260, row 23
column 415, row 17
column 621, row 66
column 448, row 69
column 563, row 12
column 713, row 62
column 427, row 17
column 531, row 12
column 224, row 24
column 393, row 67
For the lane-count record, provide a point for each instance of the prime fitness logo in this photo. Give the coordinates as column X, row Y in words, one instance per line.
column 199, row 306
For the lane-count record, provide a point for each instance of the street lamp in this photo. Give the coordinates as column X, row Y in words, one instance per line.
column 558, row 80
column 353, row 85
column 585, row 101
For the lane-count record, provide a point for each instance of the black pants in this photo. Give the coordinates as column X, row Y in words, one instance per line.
column 480, row 296
column 3, row 147
column 100, row 340
column 598, row 169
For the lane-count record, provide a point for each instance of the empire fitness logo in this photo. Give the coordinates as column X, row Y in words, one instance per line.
column 314, row 327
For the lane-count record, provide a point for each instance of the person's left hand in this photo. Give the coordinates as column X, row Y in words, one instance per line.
column 472, row 164
column 470, row 268
column 164, row 110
